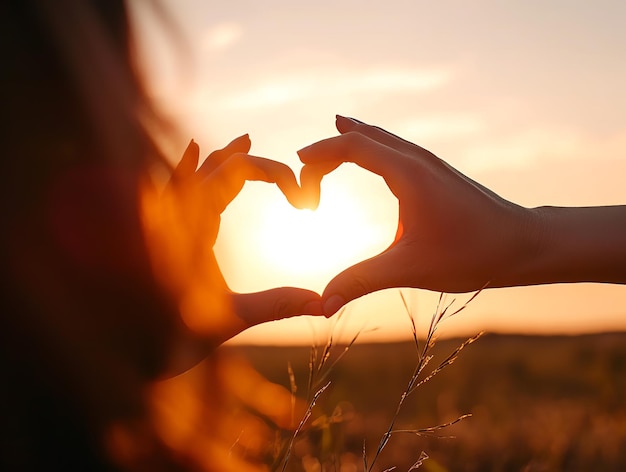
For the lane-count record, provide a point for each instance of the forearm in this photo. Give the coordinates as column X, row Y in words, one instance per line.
column 586, row 244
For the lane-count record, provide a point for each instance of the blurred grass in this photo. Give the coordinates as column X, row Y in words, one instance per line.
column 537, row 404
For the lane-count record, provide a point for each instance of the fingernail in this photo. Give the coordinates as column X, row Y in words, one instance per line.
column 346, row 121
column 354, row 120
column 313, row 308
column 242, row 137
column 332, row 305
column 191, row 144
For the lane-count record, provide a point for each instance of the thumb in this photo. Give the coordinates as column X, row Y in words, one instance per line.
column 275, row 304
column 392, row 268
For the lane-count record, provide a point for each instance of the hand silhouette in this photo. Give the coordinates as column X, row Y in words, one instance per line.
column 454, row 235
column 182, row 224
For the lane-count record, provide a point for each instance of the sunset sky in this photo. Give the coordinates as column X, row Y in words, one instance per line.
column 526, row 97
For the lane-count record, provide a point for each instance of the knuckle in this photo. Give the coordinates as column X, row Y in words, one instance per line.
column 281, row 307
column 352, row 137
column 362, row 283
column 355, row 284
column 237, row 158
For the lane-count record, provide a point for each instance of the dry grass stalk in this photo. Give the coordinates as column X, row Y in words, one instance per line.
column 321, row 365
column 423, row 456
column 442, row 312
column 303, row 421
column 293, row 388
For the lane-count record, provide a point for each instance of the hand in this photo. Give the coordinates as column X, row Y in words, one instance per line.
column 182, row 224
column 454, row 235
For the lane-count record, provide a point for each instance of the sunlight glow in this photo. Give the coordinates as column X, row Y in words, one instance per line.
column 476, row 85
column 281, row 246
column 330, row 238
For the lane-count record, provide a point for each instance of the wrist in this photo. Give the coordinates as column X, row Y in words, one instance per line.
column 572, row 245
column 526, row 241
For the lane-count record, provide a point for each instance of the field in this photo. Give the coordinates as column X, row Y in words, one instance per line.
column 536, row 404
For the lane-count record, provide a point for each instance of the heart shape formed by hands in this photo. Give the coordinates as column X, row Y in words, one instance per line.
column 283, row 246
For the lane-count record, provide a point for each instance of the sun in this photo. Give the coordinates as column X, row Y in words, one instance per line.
column 336, row 235
column 264, row 242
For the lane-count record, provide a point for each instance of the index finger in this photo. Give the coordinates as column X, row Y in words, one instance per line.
column 345, row 125
column 216, row 158
column 227, row 180
column 324, row 156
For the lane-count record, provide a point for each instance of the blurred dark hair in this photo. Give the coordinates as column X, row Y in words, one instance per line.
column 83, row 325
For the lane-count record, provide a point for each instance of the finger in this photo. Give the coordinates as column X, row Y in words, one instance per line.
column 227, row 181
column 188, row 163
column 241, row 144
column 352, row 147
column 390, row 269
column 324, row 156
column 276, row 304
column 311, row 179
column 346, row 125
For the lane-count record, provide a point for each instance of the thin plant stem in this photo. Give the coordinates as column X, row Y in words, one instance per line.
column 442, row 312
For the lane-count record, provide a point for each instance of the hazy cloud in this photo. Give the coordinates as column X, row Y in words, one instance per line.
column 333, row 84
column 525, row 147
column 221, row 36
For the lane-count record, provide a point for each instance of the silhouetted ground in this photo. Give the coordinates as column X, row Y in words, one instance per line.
column 537, row 404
